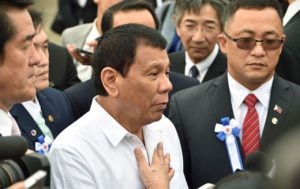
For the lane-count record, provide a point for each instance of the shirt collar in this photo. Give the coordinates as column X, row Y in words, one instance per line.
column 292, row 9
column 238, row 92
column 33, row 107
column 94, row 34
column 202, row 65
column 113, row 131
column 5, row 123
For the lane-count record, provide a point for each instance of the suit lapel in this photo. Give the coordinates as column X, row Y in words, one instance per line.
column 220, row 98
column 217, row 68
column 280, row 97
column 294, row 18
column 48, row 112
column 221, row 103
column 26, row 123
column 178, row 62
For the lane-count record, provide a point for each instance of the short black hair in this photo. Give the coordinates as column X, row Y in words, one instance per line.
column 117, row 49
column 7, row 28
column 37, row 18
column 123, row 6
column 235, row 5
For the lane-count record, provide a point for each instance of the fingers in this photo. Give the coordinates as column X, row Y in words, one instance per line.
column 139, row 156
column 93, row 44
column 160, row 150
column 171, row 173
column 75, row 55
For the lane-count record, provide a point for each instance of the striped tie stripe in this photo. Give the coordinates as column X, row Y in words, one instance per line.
column 251, row 135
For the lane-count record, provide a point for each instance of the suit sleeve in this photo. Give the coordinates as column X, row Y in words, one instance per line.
column 174, row 116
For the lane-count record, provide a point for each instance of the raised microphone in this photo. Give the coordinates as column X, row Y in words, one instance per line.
column 12, row 147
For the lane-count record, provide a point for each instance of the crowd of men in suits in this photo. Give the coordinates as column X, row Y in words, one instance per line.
column 233, row 90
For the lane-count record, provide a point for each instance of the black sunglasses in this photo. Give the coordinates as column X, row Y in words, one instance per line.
column 248, row 43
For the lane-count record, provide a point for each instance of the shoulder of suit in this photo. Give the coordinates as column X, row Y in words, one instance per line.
column 50, row 92
column 196, row 91
column 76, row 31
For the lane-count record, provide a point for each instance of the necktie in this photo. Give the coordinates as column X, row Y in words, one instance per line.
column 251, row 136
column 40, row 121
column 195, row 72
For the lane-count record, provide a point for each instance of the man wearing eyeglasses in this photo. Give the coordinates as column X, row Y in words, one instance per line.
column 263, row 105
column 198, row 23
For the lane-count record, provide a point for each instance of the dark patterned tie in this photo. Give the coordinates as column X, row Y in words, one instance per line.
column 195, row 72
column 250, row 127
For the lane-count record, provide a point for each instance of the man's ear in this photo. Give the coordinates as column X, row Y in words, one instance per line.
column 222, row 41
column 109, row 80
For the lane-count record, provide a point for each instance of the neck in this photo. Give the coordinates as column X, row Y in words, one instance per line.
column 129, row 122
column 5, row 106
column 99, row 18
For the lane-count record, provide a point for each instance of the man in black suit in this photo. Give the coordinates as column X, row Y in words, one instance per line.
column 198, row 24
column 73, row 12
column 81, row 101
column 252, row 45
column 62, row 71
column 289, row 64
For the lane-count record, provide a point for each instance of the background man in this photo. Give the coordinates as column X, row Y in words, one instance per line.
column 17, row 60
column 80, row 36
column 121, row 13
column 49, row 111
column 132, row 67
column 289, row 62
column 263, row 104
column 198, row 23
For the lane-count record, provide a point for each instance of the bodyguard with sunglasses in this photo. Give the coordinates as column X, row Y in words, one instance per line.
column 262, row 104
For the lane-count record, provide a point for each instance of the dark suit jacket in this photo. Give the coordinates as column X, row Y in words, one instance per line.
column 196, row 110
column 289, row 62
column 81, row 94
column 70, row 12
column 62, row 71
column 56, row 110
column 218, row 67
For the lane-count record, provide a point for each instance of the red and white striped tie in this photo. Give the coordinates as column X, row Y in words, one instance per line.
column 251, row 135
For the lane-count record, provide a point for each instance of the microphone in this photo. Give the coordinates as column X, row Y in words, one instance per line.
column 12, row 147
column 259, row 162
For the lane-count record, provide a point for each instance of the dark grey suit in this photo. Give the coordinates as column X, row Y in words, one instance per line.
column 217, row 68
column 62, row 71
column 195, row 112
column 289, row 62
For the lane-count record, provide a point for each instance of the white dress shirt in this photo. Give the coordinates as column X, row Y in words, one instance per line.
column 5, row 123
column 97, row 152
column 202, row 66
column 84, row 72
column 292, row 9
column 238, row 94
column 35, row 111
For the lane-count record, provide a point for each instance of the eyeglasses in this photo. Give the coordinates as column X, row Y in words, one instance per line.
column 248, row 43
column 192, row 29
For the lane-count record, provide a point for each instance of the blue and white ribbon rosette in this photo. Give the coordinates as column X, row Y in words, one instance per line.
column 43, row 145
column 228, row 132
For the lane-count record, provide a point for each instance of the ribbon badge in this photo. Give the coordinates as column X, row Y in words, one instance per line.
column 43, row 145
column 228, row 131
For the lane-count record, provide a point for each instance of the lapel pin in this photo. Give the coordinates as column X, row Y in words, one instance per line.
column 33, row 132
column 274, row 120
column 50, row 118
column 277, row 109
